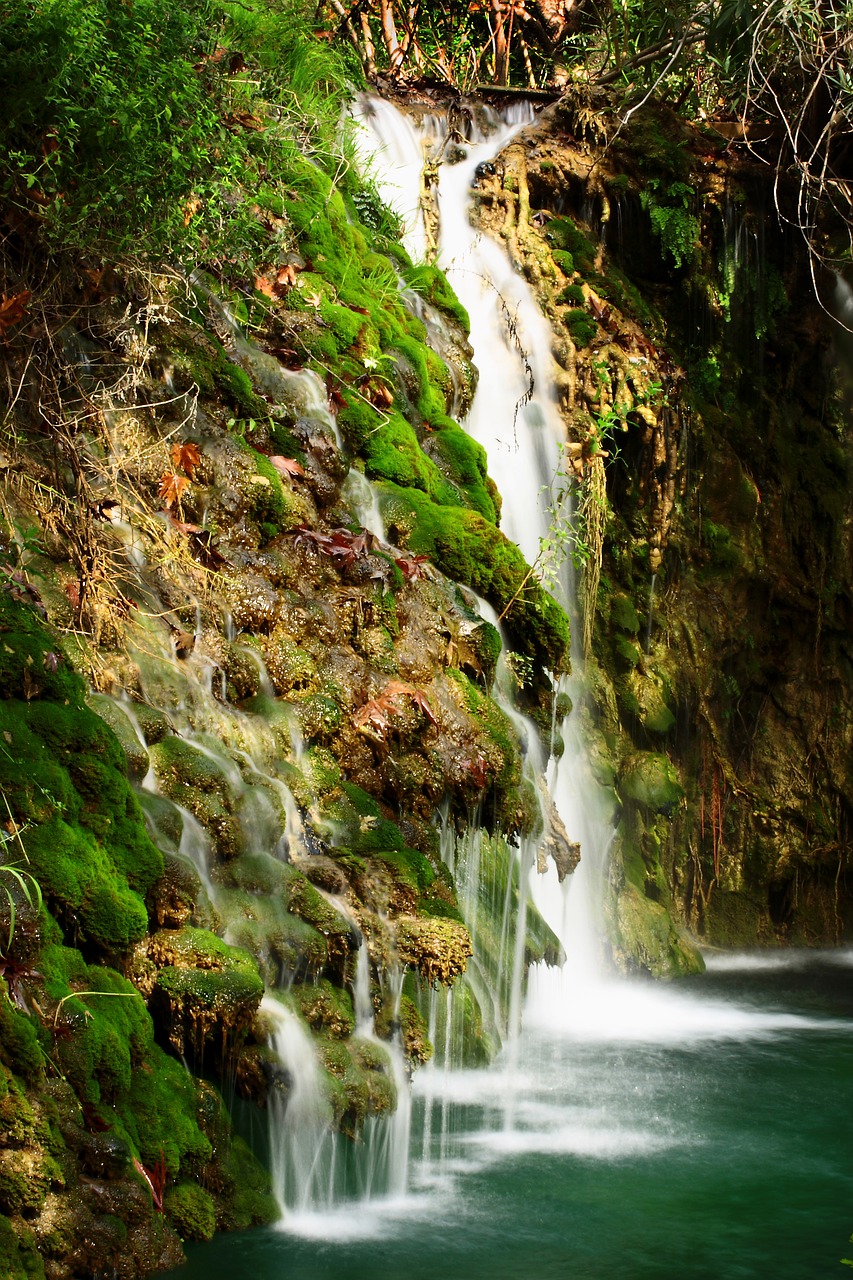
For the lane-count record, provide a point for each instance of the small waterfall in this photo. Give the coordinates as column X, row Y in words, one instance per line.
column 305, row 1154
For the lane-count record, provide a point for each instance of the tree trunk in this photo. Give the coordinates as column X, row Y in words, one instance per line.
column 389, row 34
column 501, row 46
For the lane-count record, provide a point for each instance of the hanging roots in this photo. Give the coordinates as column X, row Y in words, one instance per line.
column 592, row 516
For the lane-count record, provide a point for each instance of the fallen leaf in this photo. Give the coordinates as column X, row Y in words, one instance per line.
column 191, row 207
column 246, row 120
column 171, row 488
column 287, row 466
column 13, row 310
column 186, row 456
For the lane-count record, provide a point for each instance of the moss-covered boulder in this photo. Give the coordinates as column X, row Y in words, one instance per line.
column 651, row 781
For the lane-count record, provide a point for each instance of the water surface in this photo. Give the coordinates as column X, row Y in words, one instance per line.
column 708, row 1137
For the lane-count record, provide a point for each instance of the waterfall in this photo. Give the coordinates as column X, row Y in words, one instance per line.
column 515, row 416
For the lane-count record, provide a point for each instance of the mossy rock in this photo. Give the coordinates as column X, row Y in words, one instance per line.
column 20, row 1049
column 473, row 551
column 291, row 668
column 20, row 1257
column 645, row 939
column 327, row 1009
column 112, row 713
column 623, row 614
column 438, row 948
column 355, row 821
column 203, row 986
column 191, row 1211
column 359, row 1081
column 651, row 781
column 63, row 773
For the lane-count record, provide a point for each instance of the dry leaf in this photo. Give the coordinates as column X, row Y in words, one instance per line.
column 186, row 456
column 287, row 466
column 13, row 310
column 191, row 207
column 171, row 488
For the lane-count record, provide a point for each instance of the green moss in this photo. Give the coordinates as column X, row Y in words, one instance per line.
column 357, row 821
column 20, row 1258
column 651, row 781
column 19, row 1043
column 564, row 261
column 191, row 1211
column 327, row 1009
column 623, row 614
column 564, row 235
column 274, row 505
column 471, row 550
column 62, row 771
column 573, row 295
column 112, row 1030
column 434, row 286
column 242, row 1191
column 581, row 326
column 466, row 465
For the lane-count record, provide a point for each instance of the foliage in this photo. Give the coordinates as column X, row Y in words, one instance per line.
column 146, row 130
column 672, row 222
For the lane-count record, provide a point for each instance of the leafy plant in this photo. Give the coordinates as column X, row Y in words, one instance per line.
column 11, row 878
column 672, row 222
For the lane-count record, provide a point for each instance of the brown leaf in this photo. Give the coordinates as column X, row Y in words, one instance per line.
column 191, row 207
column 171, row 488
column 265, row 286
column 287, row 466
column 186, row 456
column 13, row 310
column 380, row 394
column 246, row 120
column 286, row 276
column 182, row 526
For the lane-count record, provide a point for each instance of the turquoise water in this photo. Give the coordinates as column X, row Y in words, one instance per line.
column 709, row 1136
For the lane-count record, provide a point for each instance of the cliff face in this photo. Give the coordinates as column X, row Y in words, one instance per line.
column 703, row 388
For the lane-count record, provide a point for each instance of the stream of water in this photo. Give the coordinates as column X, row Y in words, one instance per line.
column 632, row 1129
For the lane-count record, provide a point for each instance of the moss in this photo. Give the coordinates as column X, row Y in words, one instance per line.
column 274, row 505
column 327, row 1009
column 111, row 1029
column 235, row 386
column 651, row 781
column 466, row 465
column 438, row 948
column 623, row 614
column 410, row 867
column 435, row 288
column 573, row 295
column 63, row 772
column 19, row 1044
column 471, row 550
column 566, row 237
column 242, row 1191
column 580, row 326
column 357, row 822
column 32, row 662
column 20, row 1258
column 191, row 1211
